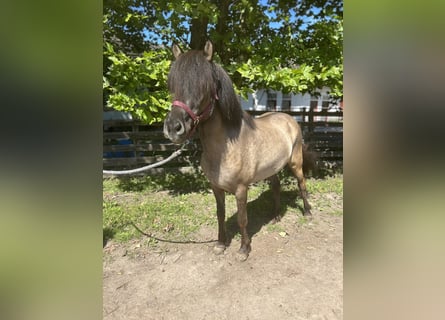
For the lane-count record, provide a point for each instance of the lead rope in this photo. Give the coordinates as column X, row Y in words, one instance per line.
column 153, row 165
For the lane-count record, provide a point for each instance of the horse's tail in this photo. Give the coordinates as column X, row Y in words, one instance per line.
column 309, row 160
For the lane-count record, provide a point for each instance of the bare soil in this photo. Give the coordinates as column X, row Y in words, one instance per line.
column 291, row 274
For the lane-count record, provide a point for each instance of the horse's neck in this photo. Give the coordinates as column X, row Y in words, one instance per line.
column 214, row 134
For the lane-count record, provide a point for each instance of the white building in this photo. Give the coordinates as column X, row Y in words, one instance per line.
column 277, row 101
column 270, row 100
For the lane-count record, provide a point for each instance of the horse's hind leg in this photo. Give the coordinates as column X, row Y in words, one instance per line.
column 296, row 165
column 241, row 202
column 220, row 197
column 275, row 186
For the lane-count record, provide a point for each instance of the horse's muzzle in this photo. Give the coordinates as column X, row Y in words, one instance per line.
column 175, row 130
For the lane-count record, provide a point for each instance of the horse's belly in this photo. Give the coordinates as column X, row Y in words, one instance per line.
column 265, row 170
column 234, row 168
column 228, row 177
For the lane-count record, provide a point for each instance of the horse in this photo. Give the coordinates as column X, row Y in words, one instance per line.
column 237, row 149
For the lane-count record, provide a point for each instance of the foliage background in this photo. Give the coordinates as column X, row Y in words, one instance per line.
column 290, row 46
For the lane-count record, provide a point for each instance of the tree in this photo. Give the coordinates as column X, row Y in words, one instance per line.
column 292, row 46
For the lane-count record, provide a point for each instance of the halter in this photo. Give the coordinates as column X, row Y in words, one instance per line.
column 197, row 119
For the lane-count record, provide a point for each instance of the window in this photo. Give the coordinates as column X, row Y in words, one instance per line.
column 314, row 103
column 325, row 102
column 286, row 102
column 271, row 104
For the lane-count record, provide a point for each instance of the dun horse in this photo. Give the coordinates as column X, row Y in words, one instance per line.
column 237, row 148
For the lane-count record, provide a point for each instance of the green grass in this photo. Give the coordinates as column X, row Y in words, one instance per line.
column 329, row 184
column 337, row 213
column 175, row 217
column 332, row 184
column 276, row 227
column 175, row 206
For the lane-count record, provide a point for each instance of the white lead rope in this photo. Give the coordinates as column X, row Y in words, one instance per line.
column 154, row 165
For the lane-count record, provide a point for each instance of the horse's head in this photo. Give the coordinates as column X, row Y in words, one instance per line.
column 193, row 85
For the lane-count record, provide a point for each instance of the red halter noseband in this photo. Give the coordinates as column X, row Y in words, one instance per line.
column 197, row 119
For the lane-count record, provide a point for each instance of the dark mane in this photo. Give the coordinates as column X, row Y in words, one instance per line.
column 228, row 102
column 193, row 76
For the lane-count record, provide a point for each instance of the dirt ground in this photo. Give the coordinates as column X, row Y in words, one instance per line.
column 292, row 274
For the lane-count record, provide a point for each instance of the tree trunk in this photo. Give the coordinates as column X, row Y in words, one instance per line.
column 198, row 30
column 221, row 30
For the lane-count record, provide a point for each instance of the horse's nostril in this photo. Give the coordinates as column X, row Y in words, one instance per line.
column 179, row 128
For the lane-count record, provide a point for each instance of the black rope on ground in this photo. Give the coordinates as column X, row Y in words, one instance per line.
column 170, row 241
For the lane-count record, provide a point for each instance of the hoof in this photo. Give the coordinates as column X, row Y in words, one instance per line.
column 242, row 256
column 219, row 249
column 243, row 253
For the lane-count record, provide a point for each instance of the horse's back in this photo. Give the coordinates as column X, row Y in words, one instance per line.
column 276, row 117
column 268, row 146
column 281, row 123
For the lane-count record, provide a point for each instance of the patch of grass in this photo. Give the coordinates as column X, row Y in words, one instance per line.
column 327, row 184
column 276, row 227
column 336, row 213
column 159, row 213
column 175, row 183
column 174, row 207
column 303, row 220
column 257, row 189
column 332, row 184
column 116, row 219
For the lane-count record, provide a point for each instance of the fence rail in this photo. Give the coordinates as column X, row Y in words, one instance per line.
column 129, row 144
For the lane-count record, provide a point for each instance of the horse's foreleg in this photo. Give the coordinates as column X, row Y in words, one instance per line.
column 221, row 213
column 275, row 186
column 241, row 202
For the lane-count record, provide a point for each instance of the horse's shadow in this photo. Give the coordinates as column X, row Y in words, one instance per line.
column 260, row 212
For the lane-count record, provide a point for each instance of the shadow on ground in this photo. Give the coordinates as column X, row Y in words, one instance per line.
column 175, row 183
column 260, row 212
column 182, row 183
column 107, row 234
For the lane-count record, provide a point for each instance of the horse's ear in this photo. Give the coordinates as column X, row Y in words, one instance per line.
column 176, row 51
column 208, row 50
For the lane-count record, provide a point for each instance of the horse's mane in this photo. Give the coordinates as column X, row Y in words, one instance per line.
column 188, row 77
column 229, row 105
column 193, row 74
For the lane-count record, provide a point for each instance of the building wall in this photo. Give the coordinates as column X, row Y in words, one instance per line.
column 258, row 100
